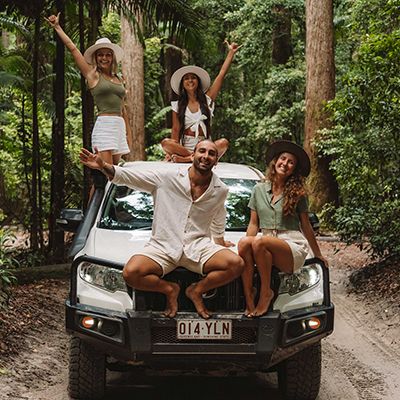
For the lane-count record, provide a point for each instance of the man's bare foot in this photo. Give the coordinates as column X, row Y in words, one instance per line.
column 197, row 300
column 263, row 304
column 172, row 301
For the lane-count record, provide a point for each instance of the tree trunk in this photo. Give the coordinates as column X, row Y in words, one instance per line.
column 320, row 88
column 5, row 39
column 133, row 72
column 35, row 142
column 56, row 235
column 282, row 48
column 171, row 59
column 87, row 99
column 25, row 151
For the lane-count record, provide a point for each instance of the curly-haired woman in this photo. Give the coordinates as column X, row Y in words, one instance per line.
column 279, row 207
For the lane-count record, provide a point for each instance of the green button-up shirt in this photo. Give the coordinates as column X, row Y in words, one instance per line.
column 271, row 215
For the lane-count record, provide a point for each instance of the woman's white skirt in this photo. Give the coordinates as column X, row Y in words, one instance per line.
column 297, row 242
column 109, row 133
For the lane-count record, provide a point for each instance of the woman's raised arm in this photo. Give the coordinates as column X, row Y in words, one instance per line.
column 218, row 81
column 84, row 67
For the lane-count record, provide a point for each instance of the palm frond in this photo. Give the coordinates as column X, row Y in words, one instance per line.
column 13, row 25
column 16, row 64
column 9, row 79
column 174, row 16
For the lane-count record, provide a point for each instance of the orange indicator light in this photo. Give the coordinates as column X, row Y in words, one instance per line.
column 88, row 322
column 314, row 323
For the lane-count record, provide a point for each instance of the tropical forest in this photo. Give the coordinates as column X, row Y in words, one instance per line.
column 321, row 73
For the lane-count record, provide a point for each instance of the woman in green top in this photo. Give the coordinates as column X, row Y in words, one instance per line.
column 99, row 67
column 279, row 207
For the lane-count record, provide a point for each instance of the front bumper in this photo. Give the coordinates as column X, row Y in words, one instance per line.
column 149, row 338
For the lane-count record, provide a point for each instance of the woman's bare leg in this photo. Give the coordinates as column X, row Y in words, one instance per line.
column 246, row 252
column 116, row 158
column 270, row 251
column 170, row 146
column 107, row 156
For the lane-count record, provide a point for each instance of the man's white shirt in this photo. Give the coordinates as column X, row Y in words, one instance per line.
column 180, row 224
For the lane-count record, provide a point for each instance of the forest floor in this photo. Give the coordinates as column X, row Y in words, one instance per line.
column 34, row 345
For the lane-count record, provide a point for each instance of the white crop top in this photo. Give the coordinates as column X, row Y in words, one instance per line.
column 195, row 120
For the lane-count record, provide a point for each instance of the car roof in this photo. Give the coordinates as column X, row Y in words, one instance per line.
column 223, row 170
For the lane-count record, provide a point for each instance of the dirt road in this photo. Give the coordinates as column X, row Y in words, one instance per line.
column 360, row 362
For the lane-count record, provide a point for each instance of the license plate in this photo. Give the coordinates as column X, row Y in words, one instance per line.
column 204, row 329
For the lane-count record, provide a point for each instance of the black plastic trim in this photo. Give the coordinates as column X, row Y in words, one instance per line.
column 85, row 227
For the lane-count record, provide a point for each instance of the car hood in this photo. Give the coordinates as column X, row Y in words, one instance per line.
column 120, row 246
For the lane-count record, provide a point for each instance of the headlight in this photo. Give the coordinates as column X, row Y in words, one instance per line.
column 107, row 278
column 302, row 279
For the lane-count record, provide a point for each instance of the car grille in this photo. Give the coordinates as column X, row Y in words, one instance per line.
column 224, row 299
column 240, row 335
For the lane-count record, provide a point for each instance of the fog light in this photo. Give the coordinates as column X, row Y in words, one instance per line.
column 88, row 322
column 108, row 328
column 314, row 323
column 295, row 329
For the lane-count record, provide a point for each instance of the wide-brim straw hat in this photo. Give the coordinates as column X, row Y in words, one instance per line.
column 103, row 43
column 190, row 69
column 286, row 146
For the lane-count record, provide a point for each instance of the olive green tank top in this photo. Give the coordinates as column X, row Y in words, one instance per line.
column 108, row 96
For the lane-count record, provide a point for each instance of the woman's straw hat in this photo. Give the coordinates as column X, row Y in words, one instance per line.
column 103, row 43
column 190, row 69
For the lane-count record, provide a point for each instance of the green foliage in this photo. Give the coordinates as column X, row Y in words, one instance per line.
column 258, row 101
column 156, row 110
column 110, row 27
column 7, row 279
column 364, row 142
column 7, row 238
column 277, row 111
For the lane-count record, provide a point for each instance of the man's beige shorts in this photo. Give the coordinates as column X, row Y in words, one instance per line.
column 167, row 264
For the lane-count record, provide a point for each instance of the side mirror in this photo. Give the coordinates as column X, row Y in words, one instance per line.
column 314, row 221
column 70, row 219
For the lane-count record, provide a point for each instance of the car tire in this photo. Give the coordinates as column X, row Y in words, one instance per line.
column 299, row 376
column 87, row 371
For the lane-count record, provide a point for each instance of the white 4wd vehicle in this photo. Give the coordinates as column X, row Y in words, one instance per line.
column 112, row 324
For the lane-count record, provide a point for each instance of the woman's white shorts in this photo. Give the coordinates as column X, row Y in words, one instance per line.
column 297, row 243
column 189, row 142
column 109, row 133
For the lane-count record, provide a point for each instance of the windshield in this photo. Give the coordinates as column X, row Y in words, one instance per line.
column 130, row 209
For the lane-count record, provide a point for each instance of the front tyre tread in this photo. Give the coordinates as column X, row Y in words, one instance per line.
column 300, row 376
column 87, row 371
